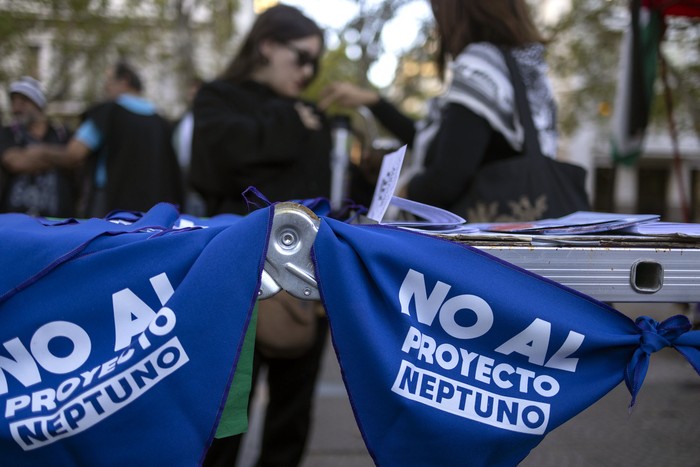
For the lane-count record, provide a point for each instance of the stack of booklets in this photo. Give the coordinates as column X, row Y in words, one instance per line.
column 581, row 222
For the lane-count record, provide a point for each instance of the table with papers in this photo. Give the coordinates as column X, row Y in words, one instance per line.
column 628, row 269
column 647, row 261
column 611, row 257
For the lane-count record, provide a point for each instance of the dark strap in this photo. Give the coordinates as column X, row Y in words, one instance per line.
column 531, row 145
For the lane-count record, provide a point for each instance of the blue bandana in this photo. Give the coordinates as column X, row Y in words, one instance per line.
column 127, row 333
column 452, row 357
column 118, row 341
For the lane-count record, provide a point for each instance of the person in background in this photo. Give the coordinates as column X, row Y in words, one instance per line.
column 126, row 146
column 474, row 121
column 49, row 193
column 251, row 128
column 182, row 142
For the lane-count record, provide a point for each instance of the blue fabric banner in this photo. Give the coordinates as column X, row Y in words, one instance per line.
column 118, row 341
column 452, row 357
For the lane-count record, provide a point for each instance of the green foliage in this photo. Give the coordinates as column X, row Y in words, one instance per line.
column 335, row 66
column 584, row 56
column 85, row 36
column 366, row 39
column 369, row 26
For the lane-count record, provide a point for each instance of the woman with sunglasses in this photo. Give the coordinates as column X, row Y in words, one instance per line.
column 252, row 129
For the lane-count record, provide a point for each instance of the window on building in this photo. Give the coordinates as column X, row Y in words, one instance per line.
column 31, row 64
column 604, row 189
column 652, row 183
column 695, row 195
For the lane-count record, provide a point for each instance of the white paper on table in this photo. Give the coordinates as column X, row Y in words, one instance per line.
column 580, row 222
column 386, row 184
column 665, row 228
column 430, row 216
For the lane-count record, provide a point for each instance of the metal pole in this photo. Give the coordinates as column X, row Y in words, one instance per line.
column 340, row 159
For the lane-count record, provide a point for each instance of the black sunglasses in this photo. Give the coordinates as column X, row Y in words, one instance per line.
column 303, row 57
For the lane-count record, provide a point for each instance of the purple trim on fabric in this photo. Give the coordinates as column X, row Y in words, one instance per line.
column 135, row 228
column 250, row 201
column 340, row 363
column 251, row 306
column 158, row 231
column 504, row 263
column 635, row 381
column 36, row 277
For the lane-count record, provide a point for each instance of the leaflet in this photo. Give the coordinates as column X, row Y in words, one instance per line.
column 581, row 222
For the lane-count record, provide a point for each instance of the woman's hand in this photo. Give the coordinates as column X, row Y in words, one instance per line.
column 308, row 117
column 346, row 95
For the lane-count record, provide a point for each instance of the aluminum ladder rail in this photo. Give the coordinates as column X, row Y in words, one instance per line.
column 648, row 273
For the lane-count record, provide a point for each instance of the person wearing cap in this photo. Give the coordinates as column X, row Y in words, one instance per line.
column 125, row 144
column 39, row 191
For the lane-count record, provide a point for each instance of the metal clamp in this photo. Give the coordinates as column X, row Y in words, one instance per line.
column 288, row 263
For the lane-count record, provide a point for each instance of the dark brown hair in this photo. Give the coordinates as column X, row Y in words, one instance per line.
column 280, row 23
column 463, row 22
column 124, row 72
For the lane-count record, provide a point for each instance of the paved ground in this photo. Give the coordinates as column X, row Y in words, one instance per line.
column 663, row 430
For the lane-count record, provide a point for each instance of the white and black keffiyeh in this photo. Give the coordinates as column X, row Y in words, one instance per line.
column 481, row 82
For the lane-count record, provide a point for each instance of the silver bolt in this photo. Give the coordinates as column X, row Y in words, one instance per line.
column 307, row 291
column 288, row 238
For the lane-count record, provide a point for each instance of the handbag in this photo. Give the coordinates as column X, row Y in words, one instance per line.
column 523, row 187
column 286, row 326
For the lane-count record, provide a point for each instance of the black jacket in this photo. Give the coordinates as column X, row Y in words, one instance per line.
column 246, row 135
column 464, row 142
column 51, row 193
column 139, row 160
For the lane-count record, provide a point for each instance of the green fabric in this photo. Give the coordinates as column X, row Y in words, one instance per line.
column 234, row 419
column 628, row 148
